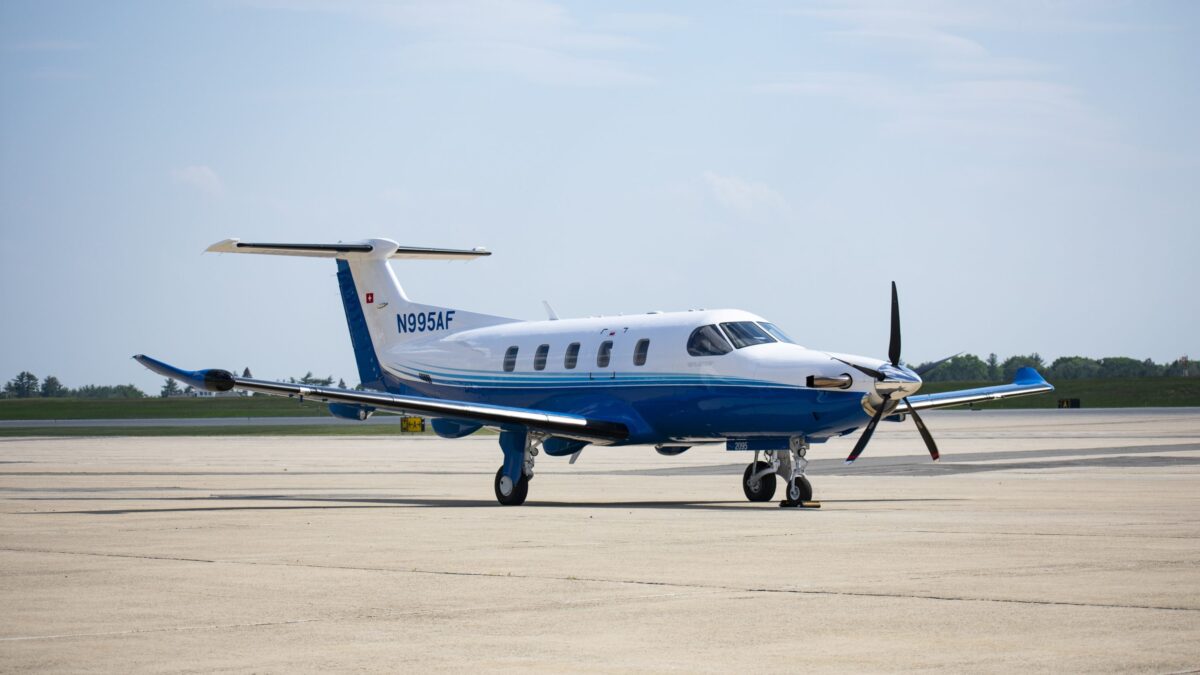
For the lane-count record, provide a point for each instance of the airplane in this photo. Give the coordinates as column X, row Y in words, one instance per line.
column 671, row 380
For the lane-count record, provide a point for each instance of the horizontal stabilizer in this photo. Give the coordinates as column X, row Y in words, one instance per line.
column 371, row 248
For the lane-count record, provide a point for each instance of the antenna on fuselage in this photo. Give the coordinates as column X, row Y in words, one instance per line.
column 550, row 313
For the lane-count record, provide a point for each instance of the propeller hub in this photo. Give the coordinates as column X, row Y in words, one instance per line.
column 898, row 382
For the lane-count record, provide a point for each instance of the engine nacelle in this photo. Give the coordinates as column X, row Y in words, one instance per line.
column 561, row 447
column 447, row 428
column 351, row 411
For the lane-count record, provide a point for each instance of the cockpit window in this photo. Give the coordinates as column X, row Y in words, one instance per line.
column 746, row 334
column 776, row 333
column 707, row 341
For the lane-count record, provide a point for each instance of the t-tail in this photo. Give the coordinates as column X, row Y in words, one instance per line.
column 380, row 316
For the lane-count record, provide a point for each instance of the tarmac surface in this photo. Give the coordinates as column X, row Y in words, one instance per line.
column 1043, row 541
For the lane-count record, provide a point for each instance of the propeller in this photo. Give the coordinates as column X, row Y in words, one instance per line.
column 894, row 357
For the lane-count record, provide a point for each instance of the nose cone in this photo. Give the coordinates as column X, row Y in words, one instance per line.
column 899, row 381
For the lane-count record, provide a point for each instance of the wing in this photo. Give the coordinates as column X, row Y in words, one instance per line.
column 564, row 425
column 1026, row 382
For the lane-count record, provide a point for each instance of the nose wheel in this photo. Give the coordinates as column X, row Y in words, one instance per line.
column 798, row 492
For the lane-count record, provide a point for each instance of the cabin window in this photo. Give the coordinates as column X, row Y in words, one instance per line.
column 510, row 359
column 604, row 355
column 776, row 333
column 539, row 357
column 746, row 334
column 572, row 356
column 707, row 341
column 639, row 352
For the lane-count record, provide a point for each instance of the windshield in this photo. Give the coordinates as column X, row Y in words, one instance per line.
column 776, row 333
column 746, row 334
column 707, row 341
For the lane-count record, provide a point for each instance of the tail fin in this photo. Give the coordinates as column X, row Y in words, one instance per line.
column 379, row 314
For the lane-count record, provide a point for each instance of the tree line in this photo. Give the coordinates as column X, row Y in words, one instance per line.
column 28, row 385
column 960, row 368
column 971, row 368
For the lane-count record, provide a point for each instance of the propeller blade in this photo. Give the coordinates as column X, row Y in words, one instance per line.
column 894, row 344
column 933, row 451
column 930, row 366
column 866, row 434
column 869, row 372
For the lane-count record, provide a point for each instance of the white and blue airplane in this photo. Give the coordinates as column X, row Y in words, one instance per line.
column 667, row 379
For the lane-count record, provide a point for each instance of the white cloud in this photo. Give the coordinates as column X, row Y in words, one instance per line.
column 537, row 40
column 200, row 178
column 742, row 196
column 978, row 108
column 940, row 78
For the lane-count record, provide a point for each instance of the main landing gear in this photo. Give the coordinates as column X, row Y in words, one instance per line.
column 758, row 481
column 512, row 478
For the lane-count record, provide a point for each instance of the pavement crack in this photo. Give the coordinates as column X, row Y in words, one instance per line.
column 637, row 582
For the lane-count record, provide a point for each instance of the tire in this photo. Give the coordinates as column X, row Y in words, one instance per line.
column 800, row 490
column 765, row 489
column 519, row 493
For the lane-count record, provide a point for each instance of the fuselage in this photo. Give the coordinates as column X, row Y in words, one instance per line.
column 677, row 377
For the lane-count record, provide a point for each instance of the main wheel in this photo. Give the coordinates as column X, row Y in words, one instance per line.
column 761, row 489
column 799, row 490
column 509, row 494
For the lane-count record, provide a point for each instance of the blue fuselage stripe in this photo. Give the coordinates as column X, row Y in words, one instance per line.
column 661, row 411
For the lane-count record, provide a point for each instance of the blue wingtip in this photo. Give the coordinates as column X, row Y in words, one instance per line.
column 1027, row 375
column 209, row 379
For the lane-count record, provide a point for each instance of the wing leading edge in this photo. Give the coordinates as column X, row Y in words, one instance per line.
column 556, row 424
column 1026, row 382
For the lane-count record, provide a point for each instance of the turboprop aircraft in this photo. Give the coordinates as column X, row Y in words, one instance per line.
column 667, row 379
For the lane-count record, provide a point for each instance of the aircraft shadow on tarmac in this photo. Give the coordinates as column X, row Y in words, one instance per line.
column 350, row 502
column 1106, row 457
column 919, row 465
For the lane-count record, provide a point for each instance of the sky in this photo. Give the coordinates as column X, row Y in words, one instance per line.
column 1027, row 172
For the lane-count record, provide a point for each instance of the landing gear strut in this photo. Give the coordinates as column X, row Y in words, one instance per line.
column 793, row 462
column 512, row 478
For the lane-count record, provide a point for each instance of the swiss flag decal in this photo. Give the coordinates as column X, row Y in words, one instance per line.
column 370, row 298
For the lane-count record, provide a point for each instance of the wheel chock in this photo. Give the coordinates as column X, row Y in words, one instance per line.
column 800, row 505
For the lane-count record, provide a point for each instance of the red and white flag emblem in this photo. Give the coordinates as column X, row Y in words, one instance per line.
column 370, row 298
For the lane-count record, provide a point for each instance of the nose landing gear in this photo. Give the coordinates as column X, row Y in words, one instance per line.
column 758, row 481
column 794, row 462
